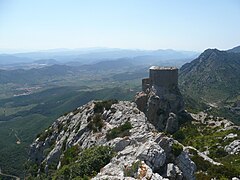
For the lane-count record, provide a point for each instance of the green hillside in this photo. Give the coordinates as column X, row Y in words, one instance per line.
column 213, row 77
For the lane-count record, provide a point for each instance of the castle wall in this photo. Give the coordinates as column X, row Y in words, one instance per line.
column 145, row 84
column 163, row 77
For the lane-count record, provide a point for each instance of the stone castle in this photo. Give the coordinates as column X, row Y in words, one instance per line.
column 165, row 77
column 161, row 99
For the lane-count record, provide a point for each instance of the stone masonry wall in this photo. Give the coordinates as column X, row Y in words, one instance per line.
column 163, row 76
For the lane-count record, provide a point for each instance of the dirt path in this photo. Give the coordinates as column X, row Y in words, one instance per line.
column 9, row 175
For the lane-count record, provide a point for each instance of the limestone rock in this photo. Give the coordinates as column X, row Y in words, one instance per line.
column 229, row 136
column 233, row 147
column 186, row 165
column 142, row 144
column 173, row 172
column 153, row 155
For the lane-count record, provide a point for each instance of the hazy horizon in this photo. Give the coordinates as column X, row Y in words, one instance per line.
column 146, row 25
column 94, row 49
column 83, row 49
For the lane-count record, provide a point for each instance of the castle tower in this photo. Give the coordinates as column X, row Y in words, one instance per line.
column 161, row 99
column 163, row 76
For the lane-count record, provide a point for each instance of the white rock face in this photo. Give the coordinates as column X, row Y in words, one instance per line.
column 229, row 136
column 173, row 172
column 144, row 145
column 153, row 155
column 233, row 147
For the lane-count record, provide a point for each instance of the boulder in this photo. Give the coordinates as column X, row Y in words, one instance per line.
column 186, row 165
column 153, row 155
column 173, row 172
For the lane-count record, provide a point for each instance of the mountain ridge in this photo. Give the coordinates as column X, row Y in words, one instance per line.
column 213, row 73
column 235, row 49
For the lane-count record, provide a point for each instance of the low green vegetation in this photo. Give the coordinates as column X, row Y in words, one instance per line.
column 179, row 135
column 192, row 105
column 131, row 171
column 75, row 164
column 101, row 105
column 47, row 133
column 225, row 171
column 202, row 136
column 86, row 165
column 70, row 155
column 207, row 138
column 177, row 149
column 96, row 123
column 120, row 131
column 225, row 112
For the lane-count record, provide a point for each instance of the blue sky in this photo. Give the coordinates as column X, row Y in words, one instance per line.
column 134, row 24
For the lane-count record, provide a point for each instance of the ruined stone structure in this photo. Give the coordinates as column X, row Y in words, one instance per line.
column 161, row 77
column 145, row 84
column 161, row 99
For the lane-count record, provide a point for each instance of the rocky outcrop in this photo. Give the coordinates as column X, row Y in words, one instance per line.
column 186, row 165
column 161, row 99
column 145, row 149
column 141, row 101
column 233, row 147
column 163, row 107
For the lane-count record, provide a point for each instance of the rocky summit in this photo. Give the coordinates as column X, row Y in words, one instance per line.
column 114, row 140
column 140, row 150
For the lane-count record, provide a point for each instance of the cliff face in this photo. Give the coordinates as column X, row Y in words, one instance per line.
column 140, row 150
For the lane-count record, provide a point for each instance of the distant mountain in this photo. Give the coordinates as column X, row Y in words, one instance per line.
column 235, row 49
column 46, row 61
column 109, row 65
column 10, row 59
column 49, row 70
column 35, row 75
column 90, row 55
column 213, row 77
